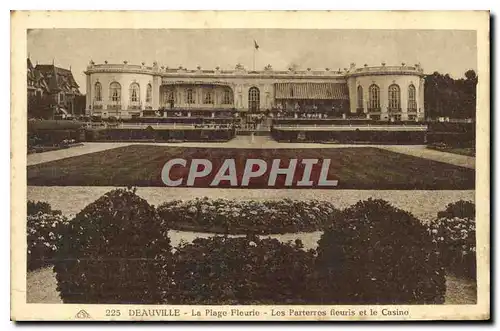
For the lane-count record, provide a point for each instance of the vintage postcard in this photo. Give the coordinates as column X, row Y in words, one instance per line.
column 250, row 166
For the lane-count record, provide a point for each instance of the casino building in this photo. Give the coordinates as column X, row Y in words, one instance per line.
column 385, row 93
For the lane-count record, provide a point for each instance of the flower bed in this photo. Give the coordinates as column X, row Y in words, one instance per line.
column 117, row 250
column 241, row 217
column 44, row 228
column 454, row 234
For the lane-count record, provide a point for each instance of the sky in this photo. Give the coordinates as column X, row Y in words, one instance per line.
column 446, row 51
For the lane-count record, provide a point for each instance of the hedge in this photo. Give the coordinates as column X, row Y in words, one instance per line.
column 116, row 250
column 378, row 254
column 228, row 271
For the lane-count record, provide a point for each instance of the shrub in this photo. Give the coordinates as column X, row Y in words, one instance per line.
column 116, row 250
column 44, row 227
column 242, row 217
column 454, row 233
column 35, row 207
column 378, row 254
column 221, row 270
column 461, row 208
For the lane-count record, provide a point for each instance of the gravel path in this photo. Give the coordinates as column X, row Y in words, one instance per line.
column 42, row 288
column 423, row 204
column 423, row 152
column 86, row 148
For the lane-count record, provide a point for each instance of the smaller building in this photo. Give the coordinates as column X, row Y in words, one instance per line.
column 52, row 92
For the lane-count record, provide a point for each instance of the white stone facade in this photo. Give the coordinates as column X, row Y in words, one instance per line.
column 189, row 88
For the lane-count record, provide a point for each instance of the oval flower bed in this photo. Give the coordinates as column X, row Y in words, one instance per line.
column 242, row 217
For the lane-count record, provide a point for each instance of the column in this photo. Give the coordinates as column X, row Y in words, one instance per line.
column 88, row 97
column 420, row 99
column 142, row 93
column 156, row 90
column 125, row 94
column 384, row 99
column 351, row 86
column 404, row 101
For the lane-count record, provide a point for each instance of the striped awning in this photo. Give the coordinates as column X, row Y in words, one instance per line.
column 322, row 91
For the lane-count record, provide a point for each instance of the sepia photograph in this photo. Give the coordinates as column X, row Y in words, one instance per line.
column 260, row 173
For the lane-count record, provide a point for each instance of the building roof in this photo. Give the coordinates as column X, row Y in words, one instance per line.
column 52, row 79
column 325, row 91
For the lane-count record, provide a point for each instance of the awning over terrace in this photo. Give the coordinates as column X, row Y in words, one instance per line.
column 313, row 91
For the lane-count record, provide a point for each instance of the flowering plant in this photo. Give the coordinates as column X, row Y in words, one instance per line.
column 239, row 217
column 456, row 240
column 44, row 228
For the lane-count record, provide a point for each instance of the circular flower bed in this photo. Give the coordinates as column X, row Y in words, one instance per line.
column 242, row 217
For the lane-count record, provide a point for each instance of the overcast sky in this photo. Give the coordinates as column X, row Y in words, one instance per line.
column 446, row 51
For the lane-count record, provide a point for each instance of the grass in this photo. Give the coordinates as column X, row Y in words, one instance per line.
column 355, row 168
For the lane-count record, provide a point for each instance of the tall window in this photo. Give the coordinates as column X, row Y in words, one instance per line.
column 170, row 96
column 412, row 100
column 149, row 92
column 374, row 97
column 115, row 91
column 134, row 92
column 360, row 97
column 189, row 97
column 227, row 97
column 253, row 99
column 98, row 91
column 394, row 97
column 208, row 98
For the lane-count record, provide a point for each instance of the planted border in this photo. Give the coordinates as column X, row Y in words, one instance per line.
column 242, row 217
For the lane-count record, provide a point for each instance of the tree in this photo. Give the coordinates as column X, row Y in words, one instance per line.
column 471, row 75
column 448, row 97
column 40, row 106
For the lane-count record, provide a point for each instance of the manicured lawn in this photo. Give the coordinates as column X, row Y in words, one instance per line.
column 355, row 168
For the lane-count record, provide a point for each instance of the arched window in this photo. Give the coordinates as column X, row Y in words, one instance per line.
column 208, row 97
column 360, row 97
column 253, row 99
column 412, row 97
column 134, row 92
column 149, row 92
column 115, row 91
column 374, row 97
column 394, row 97
column 189, row 96
column 227, row 97
column 98, row 91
